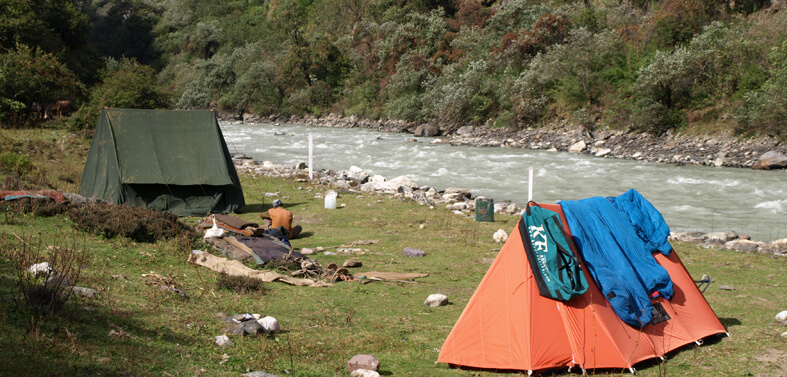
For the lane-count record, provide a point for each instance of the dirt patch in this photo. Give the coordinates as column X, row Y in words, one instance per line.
column 307, row 218
column 775, row 357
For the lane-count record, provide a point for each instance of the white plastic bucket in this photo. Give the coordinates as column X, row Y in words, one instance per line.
column 330, row 199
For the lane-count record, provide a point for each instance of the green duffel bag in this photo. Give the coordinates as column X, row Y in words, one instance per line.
column 556, row 269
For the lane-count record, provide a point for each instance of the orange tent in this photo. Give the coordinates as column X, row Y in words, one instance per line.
column 508, row 325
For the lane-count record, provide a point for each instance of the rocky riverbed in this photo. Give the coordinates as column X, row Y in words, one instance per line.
column 759, row 153
column 763, row 153
column 462, row 202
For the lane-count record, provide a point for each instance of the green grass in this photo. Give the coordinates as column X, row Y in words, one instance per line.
column 134, row 327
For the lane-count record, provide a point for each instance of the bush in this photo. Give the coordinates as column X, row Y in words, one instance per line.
column 764, row 111
column 240, row 284
column 461, row 96
column 42, row 293
column 38, row 207
column 663, row 89
column 14, row 163
column 136, row 223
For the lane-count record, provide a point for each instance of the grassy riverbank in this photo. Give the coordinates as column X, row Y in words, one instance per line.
column 134, row 327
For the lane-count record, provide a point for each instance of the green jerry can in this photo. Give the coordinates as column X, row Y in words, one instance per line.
column 485, row 210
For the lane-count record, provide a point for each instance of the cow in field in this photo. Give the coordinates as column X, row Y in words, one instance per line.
column 59, row 109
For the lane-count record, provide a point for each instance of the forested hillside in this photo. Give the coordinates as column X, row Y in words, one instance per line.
column 651, row 66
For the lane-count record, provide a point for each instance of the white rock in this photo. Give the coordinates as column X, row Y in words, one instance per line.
column 784, row 334
column 436, row 299
column 500, row 236
column 603, row 152
column 744, row 245
column 509, row 209
column 223, row 341
column 364, row 373
column 84, row 292
column 577, row 147
column 41, row 268
column 269, row 324
column 779, row 245
column 459, row 206
column 377, row 178
column 782, row 318
column 403, row 180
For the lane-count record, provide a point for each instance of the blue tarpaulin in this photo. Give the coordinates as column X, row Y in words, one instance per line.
column 619, row 260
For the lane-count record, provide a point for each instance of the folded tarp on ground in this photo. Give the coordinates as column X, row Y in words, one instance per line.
column 266, row 248
column 55, row 195
column 619, row 261
column 236, row 268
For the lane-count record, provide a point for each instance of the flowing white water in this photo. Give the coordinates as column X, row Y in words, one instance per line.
column 691, row 198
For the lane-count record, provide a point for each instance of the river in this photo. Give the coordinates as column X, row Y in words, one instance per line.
column 691, row 198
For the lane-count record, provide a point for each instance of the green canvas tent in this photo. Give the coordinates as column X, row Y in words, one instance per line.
column 166, row 160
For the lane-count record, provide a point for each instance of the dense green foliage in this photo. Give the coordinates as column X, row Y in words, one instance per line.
column 641, row 66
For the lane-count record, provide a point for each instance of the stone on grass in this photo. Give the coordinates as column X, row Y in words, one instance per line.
column 410, row 252
column 258, row 374
column 361, row 361
column 252, row 327
column 269, row 324
column 59, row 280
column 436, row 299
column 726, row 287
column 236, row 331
column 352, row 263
column 223, row 341
column 782, row 317
column 84, row 292
column 500, row 236
column 364, row 373
column 779, row 245
column 41, row 268
column 307, row 251
column 744, row 246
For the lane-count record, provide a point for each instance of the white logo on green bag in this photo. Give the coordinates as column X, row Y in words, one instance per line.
column 539, row 241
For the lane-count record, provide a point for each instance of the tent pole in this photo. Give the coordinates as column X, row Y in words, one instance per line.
column 310, row 158
column 530, row 186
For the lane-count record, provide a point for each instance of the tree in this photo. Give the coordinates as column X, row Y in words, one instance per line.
column 125, row 29
column 30, row 80
column 126, row 84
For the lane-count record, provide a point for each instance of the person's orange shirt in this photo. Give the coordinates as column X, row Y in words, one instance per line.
column 281, row 217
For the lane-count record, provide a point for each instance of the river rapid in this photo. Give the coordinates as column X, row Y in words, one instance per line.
column 691, row 198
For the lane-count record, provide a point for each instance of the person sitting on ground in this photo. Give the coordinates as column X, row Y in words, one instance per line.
column 279, row 216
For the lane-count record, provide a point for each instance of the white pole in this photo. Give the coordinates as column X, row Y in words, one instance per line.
column 311, row 158
column 530, row 186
